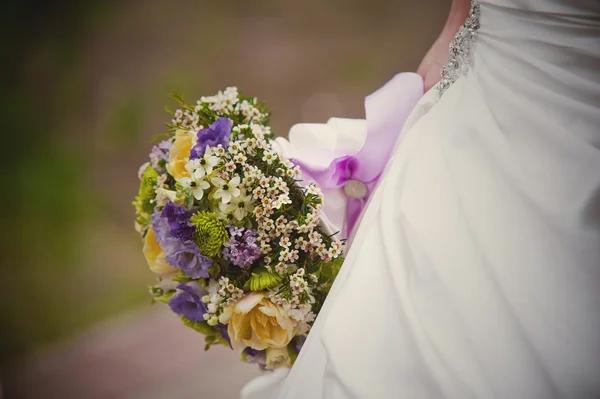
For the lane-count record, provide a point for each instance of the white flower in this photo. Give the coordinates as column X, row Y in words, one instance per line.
column 281, row 221
column 279, row 184
column 240, row 158
column 220, row 151
column 234, row 147
column 289, row 255
column 265, row 248
column 258, row 131
column 203, row 166
column 142, row 169
column 268, row 224
column 314, row 190
column 266, row 202
column 315, row 238
column 198, row 185
column 251, row 145
column 258, row 192
column 164, row 196
column 297, row 171
column 320, row 248
column 269, row 156
column 302, row 286
column 336, row 249
column 209, row 160
column 264, row 182
column 226, row 190
column 300, row 243
column 280, row 267
column 161, row 180
column 282, row 200
column 230, row 166
column 242, row 205
column 247, row 182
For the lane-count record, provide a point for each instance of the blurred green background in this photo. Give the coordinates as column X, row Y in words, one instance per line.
column 84, row 86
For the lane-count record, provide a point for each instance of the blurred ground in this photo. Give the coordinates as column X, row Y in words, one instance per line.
column 143, row 354
column 84, row 86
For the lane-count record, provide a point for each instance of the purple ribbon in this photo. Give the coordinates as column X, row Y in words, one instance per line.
column 386, row 111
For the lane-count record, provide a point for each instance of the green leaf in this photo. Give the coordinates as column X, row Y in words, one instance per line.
column 214, row 269
column 292, row 353
column 331, row 269
column 261, row 279
column 182, row 279
column 164, row 298
column 189, row 202
column 161, row 137
column 200, row 326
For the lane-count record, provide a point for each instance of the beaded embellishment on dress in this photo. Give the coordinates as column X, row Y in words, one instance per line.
column 459, row 55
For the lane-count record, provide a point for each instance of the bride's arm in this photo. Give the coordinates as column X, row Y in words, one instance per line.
column 437, row 55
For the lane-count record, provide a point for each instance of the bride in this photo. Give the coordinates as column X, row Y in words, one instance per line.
column 475, row 271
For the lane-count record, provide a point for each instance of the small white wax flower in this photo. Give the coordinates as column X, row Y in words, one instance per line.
column 240, row 158
column 258, row 192
column 280, row 267
column 234, row 148
column 268, row 224
column 219, row 150
column 269, row 157
column 230, row 166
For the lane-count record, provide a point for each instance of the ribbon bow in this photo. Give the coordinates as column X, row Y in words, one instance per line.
column 386, row 111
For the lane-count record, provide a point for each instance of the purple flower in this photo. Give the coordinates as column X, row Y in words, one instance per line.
column 223, row 330
column 188, row 302
column 217, row 133
column 187, row 257
column 179, row 222
column 300, row 340
column 183, row 255
column 256, row 357
column 161, row 228
column 160, row 152
column 241, row 249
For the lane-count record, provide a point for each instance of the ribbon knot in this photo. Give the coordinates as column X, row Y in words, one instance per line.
column 386, row 111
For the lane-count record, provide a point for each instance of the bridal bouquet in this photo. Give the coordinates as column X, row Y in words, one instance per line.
column 232, row 232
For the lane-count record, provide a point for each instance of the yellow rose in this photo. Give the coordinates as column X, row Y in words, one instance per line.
column 278, row 357
column 257, row 322
column 155, row 255
column 180, row 154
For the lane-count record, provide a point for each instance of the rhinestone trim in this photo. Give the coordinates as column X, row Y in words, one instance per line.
column 460, row 52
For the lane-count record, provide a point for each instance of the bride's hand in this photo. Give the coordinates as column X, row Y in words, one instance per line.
column 437, row 56
column 432, row 63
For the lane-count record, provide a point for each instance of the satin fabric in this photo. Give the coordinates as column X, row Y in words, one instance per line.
column 475, row 271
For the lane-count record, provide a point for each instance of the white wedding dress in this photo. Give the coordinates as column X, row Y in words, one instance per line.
column 475, row 272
